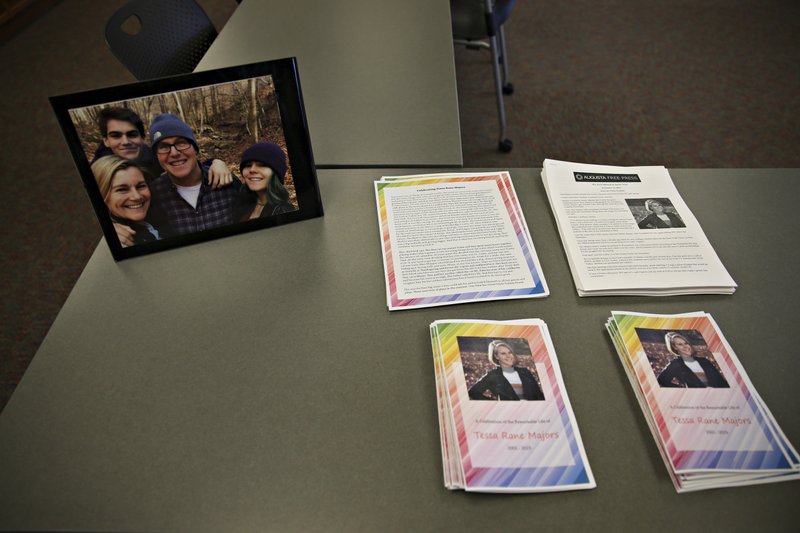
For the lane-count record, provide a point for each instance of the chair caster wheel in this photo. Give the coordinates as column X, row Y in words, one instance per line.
column 508, row 88
column 505, row 146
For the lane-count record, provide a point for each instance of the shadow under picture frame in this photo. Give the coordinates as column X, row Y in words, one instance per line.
column 150, row 155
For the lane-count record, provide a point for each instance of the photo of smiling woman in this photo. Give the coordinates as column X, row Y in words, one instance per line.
column 688, row 369
column 127, row 196
column 508, row 381
column 657, row 217
column 263, row 169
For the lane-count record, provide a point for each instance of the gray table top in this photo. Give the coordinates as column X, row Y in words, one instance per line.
column 378, row 78
column 259, row 383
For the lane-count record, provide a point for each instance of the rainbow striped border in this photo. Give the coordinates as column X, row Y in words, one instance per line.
column 511, row 203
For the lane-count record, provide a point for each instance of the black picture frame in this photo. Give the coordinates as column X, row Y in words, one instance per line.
column 288, row 98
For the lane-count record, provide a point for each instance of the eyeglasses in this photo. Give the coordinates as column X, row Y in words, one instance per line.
column 181, row 146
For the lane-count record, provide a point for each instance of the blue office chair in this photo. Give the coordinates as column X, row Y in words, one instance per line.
column 479, row 24
column 154, row 38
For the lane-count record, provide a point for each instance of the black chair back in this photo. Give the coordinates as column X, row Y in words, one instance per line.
column 172, row 37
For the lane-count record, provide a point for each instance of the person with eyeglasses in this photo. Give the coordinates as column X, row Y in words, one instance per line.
column 123, row 135
column 183, row 191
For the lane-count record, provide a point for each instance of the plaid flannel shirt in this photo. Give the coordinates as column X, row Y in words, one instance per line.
column 215, row 207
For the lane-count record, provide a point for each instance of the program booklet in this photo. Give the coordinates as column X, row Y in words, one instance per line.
column 455, row 238
column 712, row 428
column 627, row 231
column 505, row 421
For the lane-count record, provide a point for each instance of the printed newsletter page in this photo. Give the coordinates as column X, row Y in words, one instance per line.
column 628, row 227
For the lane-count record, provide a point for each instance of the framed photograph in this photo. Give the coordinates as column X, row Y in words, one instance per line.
column 186, row 159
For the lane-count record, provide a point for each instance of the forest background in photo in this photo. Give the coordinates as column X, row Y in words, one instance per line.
column 225, row 118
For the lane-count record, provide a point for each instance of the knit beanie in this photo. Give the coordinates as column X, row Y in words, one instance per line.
column 170, row 125
column 269, row 154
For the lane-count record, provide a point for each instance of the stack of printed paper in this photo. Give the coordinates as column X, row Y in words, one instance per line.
column 711, row 426
column 455, row 238
column 626, row 230
column 505, row 420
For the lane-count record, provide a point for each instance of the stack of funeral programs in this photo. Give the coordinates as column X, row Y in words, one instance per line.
column 626, row 230
column 455, row 238
column 712, row 428
column 505, row 421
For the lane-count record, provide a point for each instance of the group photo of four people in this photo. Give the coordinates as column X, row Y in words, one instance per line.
column 164, row 188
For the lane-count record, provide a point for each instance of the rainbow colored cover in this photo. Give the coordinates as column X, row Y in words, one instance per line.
column 499, row 435
column 710, row 424
column 455, row 238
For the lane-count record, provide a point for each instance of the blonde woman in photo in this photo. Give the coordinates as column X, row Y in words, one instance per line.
column 688, row 369
column 125, row 191
column 508, row 381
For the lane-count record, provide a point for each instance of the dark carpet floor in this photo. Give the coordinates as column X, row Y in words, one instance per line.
column 700, row 83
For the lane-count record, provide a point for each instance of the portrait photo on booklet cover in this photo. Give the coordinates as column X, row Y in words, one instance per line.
column 681, row 358
column 499, row 369
column 190, row 158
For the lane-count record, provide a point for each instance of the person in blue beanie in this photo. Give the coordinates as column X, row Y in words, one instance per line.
column 183, row 191
column 263, row 169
